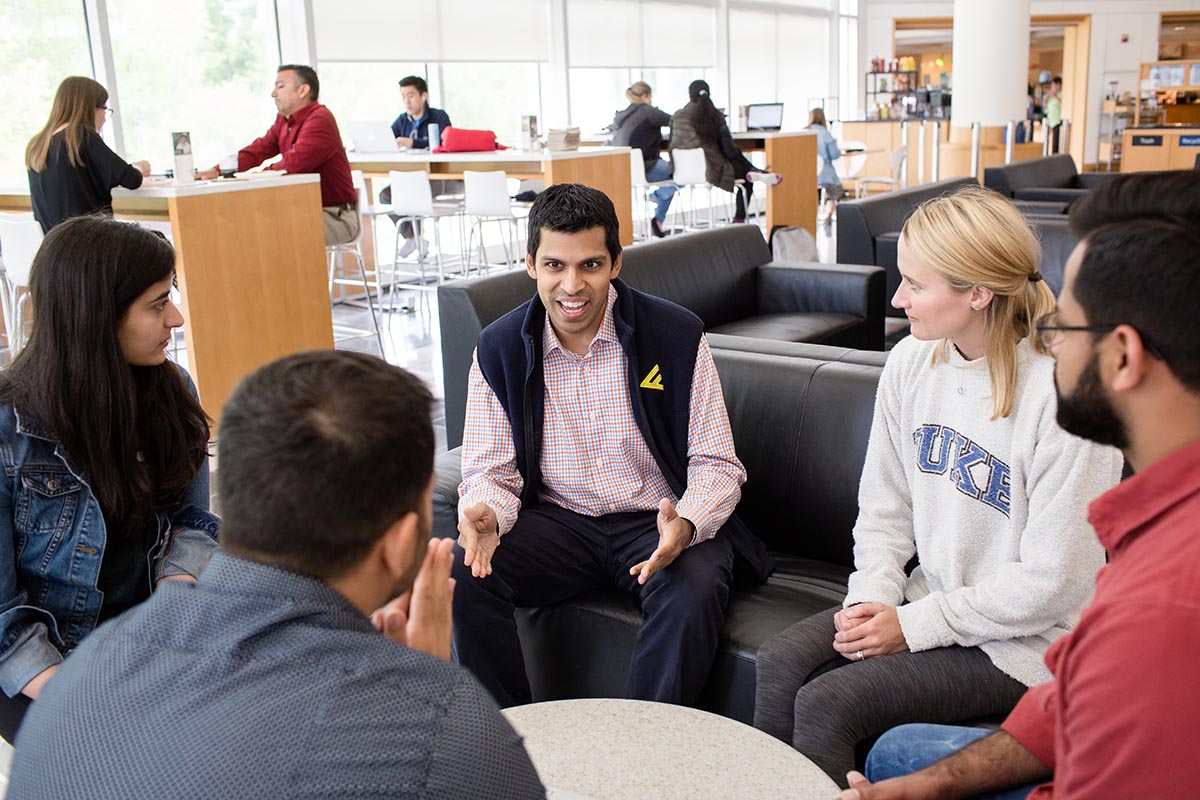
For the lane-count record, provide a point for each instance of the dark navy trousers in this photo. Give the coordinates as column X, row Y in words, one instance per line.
column 552, row 554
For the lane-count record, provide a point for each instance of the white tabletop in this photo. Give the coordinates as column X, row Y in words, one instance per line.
column 168, row 188
column 610, row 749
column 490, row 156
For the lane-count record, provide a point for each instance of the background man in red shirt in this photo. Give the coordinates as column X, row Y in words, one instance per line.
column 1117, row 719
column 306, row 135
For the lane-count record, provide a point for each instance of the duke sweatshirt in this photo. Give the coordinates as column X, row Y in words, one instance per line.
column 995, row 510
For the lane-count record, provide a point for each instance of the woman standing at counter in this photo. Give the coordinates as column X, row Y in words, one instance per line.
column 827, row 149
column 71, row 170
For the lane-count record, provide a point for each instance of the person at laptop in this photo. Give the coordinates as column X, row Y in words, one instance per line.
column 306, row 135
column 411, row 129
column 640, row 125
column 700, row 124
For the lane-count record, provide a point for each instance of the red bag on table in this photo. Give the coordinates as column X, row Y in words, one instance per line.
column 463, row 140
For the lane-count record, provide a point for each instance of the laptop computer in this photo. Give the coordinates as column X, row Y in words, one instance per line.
column 373, row 136
column 764, row 117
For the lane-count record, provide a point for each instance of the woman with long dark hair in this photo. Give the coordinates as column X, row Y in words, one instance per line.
column 700, row 124
column 71, row 170
column 104, row 447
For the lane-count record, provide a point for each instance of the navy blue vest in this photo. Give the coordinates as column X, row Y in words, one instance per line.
column 660, row 340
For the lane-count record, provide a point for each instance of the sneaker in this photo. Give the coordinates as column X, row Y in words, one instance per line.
column 407, row 248
column 657, row 228
column 769, row 178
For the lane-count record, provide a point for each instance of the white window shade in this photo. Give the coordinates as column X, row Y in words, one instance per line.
column 447, row 30
column 629, row 33
column 779, row 57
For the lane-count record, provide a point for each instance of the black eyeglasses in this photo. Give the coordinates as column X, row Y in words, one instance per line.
column 108, row 112
column 1051, row 334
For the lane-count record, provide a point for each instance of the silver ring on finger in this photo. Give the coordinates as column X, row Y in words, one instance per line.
column 861, row 657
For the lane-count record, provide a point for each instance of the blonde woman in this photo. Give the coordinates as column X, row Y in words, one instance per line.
column 640, row 125
column 966, row 470
column 72, row 171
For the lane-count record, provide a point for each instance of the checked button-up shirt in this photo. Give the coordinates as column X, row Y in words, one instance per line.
column 594, row 459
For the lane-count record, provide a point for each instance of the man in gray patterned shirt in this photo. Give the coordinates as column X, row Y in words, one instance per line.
column 285, row 671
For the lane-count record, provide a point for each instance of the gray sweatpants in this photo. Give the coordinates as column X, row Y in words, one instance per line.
column 812, row 696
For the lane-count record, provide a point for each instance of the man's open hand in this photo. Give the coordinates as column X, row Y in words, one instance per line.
column 674, row 535
column 478, row 536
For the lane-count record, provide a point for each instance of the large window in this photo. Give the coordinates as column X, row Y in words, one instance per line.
column 204, row 66
column 43, row 42
column 493, row 97
column 779, row 57
column 598, row 93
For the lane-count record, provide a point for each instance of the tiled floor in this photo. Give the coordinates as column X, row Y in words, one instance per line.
column 411, row 340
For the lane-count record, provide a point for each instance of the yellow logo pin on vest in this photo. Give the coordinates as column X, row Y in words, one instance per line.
column 653, row 380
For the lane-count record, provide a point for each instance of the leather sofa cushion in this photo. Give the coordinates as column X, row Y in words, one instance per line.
column 582, row 647
column 1056, row 171
column 1058, row 240
column 819, row 352
column 712, row 274
column 806, row 327
column 860, row 221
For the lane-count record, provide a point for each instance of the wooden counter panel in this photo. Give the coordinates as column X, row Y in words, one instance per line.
column 609, row 174
column 251, row 272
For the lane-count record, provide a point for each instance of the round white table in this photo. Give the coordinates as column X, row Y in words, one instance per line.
column 614, row 749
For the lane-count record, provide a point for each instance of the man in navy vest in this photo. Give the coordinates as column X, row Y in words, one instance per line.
column 597, row 452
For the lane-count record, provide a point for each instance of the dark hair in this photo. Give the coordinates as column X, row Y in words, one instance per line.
column 319, row 454
column 307, row 76
column 1139, row 267
column 73, row 380
column 570, row 208
column 417, row 81
column 707, row 120
column 1056, row 79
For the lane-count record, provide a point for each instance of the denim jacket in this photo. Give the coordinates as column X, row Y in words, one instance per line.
column 52, row 539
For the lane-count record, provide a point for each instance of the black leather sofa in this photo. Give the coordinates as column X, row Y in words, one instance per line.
column 868, row 229
column 801, row 421
column 1047, row 179
column 726, row 277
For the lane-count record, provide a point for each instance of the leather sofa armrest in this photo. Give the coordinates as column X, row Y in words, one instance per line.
column 825, row 288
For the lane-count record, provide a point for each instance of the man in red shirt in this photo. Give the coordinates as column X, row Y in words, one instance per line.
column 1117, row 719
column 306, row 135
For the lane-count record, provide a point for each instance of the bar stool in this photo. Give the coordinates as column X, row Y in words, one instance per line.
column 643, row 190
column 412, row 201
column 690, row 172
column 20, row 238
column 334, row 253
column 487, row 200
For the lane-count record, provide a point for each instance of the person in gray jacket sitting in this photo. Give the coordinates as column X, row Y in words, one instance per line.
column 640, row 125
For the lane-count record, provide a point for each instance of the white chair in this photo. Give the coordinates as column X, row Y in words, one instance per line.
column 487, row 200
column 412, row 201
column 20, row 238
column 643, row 190
column 898, row 159
column 690, row 172
column 337, row 275
column 851, row 163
